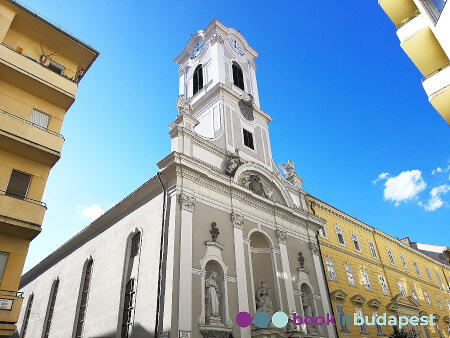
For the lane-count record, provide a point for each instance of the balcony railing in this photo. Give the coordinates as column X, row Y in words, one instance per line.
column 29, row 200
column 38, row 62
column 435, row 72
column 404, row 22
column 31, row 123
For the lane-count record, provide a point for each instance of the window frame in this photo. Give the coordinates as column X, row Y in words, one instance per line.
column 51, row 308
column 331, row 270
column 384, row 286
column 378, row 328
column 439, row 278
column 197, row 77
column 355, row 241
column 363, row 326
column 414, row 293
column 246, row 137
column 350, row 276
column 428, row 273
column 417, row 268
column 391, row 256
column 28, row 186
column 339, row 231
column 438, row 300
column 366, row 280
column 402, row 259
column 129, row 310
column 238, row 75
column 340, row 313
column 401, row 288
column 427, row 298
column 84, row 298
column 373, row 250
column 26, row 316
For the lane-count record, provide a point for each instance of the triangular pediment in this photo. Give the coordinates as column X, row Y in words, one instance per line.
column 436, row 316
column 374, row 303
column 338, row 295
column 358, row 299
column 446, row 319
column 392, row 307
column 423, row 313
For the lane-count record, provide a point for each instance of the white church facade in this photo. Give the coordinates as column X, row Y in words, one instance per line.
column 218, row 231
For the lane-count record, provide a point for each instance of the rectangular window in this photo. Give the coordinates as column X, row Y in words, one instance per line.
column 438, row 277
column 355, row 242
column 391, row 257
column 56, row 67
column 330, row 268
column 340, row 315
column 323, row 232
column 373, row 250
column 366, row 281
column 414, row 293
column 428, row 273
column 401, row 289
column 403, row 262
column 3, row 259
column 417, row 269
column 438, row 300
column 383, row 284
column 349, row 272
column 448, row 303
column 248, row 139
column 39, row 119
column 18, row 184
column 362, row 327
column 340, row 235
column 427, row 298
column 378, row 327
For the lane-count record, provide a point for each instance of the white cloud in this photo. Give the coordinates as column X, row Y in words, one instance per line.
column 404, row 187
column 92, row 212
column 435, row 201
column 380, row 177
column 440, row 170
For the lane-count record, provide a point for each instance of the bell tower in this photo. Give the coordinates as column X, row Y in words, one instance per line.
column 218, row 89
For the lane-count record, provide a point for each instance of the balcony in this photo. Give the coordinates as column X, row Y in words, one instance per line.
column 21, row 217
column 10, row 304
column 398, row 10
column 420, row 44
column 21, row 137
column 437, row 87
column 31, row 76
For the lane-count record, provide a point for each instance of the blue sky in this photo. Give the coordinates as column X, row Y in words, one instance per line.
column 347, row 105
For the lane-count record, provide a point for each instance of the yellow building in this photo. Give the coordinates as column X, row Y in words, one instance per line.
column 372, row 273
column 422, row 28
column 40, row 67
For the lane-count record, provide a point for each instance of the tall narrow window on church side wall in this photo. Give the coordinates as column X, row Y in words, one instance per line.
column 26, row 316
column 86, row 283
column 128, row 308
column 198, row 79
column 238, row 75
column 51, row 308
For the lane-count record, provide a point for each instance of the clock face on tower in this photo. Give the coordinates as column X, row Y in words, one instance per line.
column 197, row 49
column 235, row 45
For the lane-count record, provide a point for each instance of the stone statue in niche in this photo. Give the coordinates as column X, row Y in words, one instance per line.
column 214, row 231
column 184, row 107
column 307, row 309
column 264, row 299
column 301, row 260
column 253, row 182
column 234, row 161
column 212, row 299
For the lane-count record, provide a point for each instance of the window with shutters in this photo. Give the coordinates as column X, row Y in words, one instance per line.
column 414, row 293
column 51, row 308
column 425, row 294
column 349, row 272
column 26, row 316
column 330, row 268
column 198, row 79
column 391, row 257
column 84, row 299
column 355, row 242
column 128, row 308
column 39, row 119
column 248, row 139
column 403, row 262
column 56, row 67
column 378, row 327
column 238, row 75
column 340, row 314
column 340, row 235
column 3, row 260
column 18, row 184
column 428, row 273
column 373, row 250
column 438, row 300
column 366, row 280
column 401, row 289
column 383, row 284
column 417, row 268
column 362, row 327
column 438, row 277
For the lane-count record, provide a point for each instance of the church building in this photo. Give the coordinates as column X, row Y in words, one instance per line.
column 218, row 231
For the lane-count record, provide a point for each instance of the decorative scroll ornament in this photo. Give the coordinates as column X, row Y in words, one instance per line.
column 187, row 202
column 246, row 106
column 254, row 183
column 281, row 236
column 234, row 161
column 252, row 64
column 237, row 220
column 217, row 38
column 314, row 248
column 184, row 107
column 181, row 70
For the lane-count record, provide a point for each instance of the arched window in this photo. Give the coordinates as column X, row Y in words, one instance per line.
column 84, row 298
column 238, row 76
column 128, row 308
column 51, row 308
column 27, row 315
column 198, row 79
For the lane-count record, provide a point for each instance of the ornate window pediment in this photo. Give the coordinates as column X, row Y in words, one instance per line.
column 374, row 303
column 436, row 316
column 358, row 299
column 338, row 295
column 397, row 297
column 447, row 320
column 414, row 301
column 392, row 307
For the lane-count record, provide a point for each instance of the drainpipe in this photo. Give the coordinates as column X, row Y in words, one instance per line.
column 161, row 255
